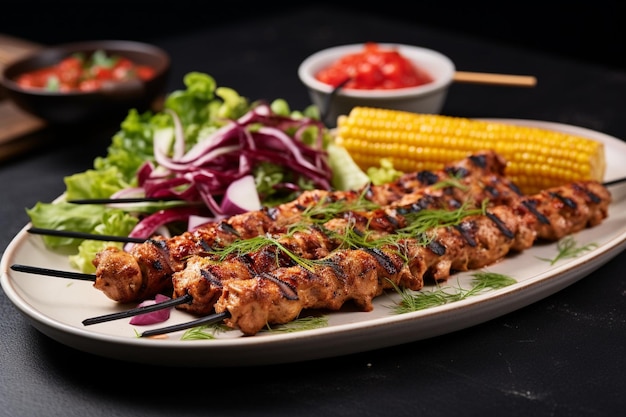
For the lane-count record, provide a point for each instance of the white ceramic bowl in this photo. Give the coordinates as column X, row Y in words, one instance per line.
column 426, row 98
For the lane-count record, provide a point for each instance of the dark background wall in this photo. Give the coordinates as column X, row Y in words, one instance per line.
column 592, row 31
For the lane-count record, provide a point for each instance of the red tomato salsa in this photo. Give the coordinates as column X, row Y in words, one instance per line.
column 79, row 72
column 374, row 68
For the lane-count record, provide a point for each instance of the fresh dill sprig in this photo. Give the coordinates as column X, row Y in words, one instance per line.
column 300, row 324
column 254, row 244
column 452, row 181
column 354, row 238
column 209, row 332
column 490, row 280
column 419, row 300
column 420, row 222
column 324, row 210
column 567, row 248
column 205, row 332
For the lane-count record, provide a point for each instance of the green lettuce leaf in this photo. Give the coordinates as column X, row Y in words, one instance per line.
column 88, row 218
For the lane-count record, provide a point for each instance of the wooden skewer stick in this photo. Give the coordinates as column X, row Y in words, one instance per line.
column 53, row 272
column 206, row 320
column 138, row 311
column 613, row 182
column 82, row 235
column 495, row 79
column 91, row 277
column 215, row 318
column 124, row 200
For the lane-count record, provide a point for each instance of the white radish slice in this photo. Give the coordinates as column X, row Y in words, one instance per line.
column 197, row 221
column 241, row 196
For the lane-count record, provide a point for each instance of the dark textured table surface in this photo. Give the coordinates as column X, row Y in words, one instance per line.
column 561, row 356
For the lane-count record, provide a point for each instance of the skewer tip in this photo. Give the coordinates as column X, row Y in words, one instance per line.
column 53, row 272
column 137, row 311
column 207, row 320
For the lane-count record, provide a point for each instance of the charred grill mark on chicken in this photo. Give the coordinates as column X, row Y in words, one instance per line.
column 568, row 209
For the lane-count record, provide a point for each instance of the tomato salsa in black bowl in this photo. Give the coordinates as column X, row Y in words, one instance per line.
column 88, row 81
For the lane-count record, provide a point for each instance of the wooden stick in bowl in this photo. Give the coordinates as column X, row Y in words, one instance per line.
column 496, row 79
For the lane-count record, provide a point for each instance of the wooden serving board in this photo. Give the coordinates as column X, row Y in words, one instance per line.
column 16, row 126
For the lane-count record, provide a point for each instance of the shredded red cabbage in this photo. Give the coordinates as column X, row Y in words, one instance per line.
column 149, row 225
column 204, row 172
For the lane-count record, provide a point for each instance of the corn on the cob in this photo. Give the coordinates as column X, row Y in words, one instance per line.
column 536, row 158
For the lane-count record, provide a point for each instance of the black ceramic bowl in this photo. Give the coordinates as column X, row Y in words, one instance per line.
column 76, row 107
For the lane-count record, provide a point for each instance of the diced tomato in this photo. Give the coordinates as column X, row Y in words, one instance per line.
column 101, row 73
column 124, row 63
column 69, row 71
column 90, row 85
column 30, row 80
column 144, row 72
column 71, row 63
column 83, row 74
column 374, row 68
column 120, row 73
column 66, row 88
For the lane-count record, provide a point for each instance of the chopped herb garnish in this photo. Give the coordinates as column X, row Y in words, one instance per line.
column 324, row 210
column 303, row 323
column 452, row 181
column 204, row 332
column 567, row 248
column 300, row 324
column 420, row 300
column 423, row 221
column 254, row 244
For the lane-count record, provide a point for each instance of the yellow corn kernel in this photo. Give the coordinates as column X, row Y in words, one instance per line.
column 536, row 158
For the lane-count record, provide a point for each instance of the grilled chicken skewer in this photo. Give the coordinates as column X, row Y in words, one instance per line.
column 474, row 242
column 147, row 268
column 547, row 216
column 360, row 275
